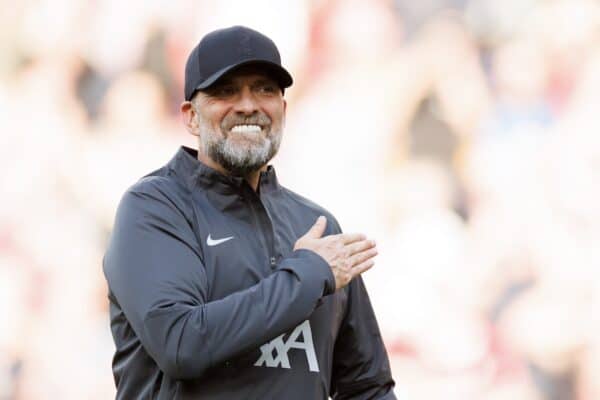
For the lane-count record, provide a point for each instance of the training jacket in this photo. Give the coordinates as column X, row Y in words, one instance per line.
column 208, row 300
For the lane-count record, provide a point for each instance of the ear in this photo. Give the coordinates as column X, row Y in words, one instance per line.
column 189, row 117
column 284, row 108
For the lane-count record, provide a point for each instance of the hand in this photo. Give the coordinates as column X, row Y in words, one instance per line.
column 348, row 254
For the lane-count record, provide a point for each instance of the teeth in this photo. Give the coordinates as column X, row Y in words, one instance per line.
column 246, row 129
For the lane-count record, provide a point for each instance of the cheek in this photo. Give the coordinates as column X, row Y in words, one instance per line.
column 216, row 119
column 277, row 114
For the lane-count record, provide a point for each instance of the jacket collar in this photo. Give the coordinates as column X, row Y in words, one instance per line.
column 193, row 172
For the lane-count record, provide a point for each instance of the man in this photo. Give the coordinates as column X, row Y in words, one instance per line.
column 223, row 283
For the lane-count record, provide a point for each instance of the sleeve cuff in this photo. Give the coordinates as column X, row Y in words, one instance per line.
column 310, row 266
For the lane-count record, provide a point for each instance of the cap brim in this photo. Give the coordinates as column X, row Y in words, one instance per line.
column 277, row 71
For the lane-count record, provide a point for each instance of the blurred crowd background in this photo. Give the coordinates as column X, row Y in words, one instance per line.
column 463, row 135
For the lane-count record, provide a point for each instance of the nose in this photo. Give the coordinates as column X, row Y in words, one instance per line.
column 246, row 103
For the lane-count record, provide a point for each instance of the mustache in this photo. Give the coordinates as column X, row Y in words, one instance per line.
column 258, row 119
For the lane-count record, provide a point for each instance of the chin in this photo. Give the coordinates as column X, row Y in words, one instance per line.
column 249, row 144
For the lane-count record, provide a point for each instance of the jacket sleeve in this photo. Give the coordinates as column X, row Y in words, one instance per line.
column 361, row 368
column 154, row 270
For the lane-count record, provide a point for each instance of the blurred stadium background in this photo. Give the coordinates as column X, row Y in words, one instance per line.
column 462, row 134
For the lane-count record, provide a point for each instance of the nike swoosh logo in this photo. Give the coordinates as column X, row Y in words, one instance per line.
column 213, row 242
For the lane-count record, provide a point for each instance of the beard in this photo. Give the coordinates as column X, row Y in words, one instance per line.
column 240, row 153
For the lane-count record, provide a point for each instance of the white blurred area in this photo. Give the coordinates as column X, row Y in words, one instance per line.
column 463, row 135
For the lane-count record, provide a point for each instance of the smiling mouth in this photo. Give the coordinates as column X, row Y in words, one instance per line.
column 246, row 128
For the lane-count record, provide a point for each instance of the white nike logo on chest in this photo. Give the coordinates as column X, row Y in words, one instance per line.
column 213, row 242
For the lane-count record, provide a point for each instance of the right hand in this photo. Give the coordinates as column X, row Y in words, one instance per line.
column 348, row 254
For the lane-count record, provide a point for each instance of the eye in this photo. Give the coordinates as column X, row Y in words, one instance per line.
column 224, row 91
column 268, row 88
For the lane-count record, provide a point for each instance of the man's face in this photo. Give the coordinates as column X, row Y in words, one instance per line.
column 240, row 120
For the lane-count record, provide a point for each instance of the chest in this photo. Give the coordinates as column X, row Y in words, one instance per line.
column 245, row 240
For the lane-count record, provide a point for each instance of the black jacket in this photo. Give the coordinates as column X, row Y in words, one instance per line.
column 209, row 301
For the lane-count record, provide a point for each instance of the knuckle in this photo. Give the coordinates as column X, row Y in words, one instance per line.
column 350, row 262
column 350, row 249
column 363, row 257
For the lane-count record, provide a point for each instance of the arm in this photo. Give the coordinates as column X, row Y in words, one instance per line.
column 155, row 272
column 361, row 368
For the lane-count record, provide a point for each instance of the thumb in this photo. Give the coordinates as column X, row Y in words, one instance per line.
column 317, row 230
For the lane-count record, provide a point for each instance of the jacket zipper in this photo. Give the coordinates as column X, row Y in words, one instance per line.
column 264, row 226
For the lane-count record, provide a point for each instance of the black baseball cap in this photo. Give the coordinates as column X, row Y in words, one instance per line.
column 224, row 50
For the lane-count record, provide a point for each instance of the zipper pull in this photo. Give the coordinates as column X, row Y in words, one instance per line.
column 273, row 262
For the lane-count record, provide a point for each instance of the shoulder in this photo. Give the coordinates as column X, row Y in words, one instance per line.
column 159, row 181
column 314, row 209
column 159, row 188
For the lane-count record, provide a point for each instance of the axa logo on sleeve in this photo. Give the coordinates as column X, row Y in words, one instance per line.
column 274, row 354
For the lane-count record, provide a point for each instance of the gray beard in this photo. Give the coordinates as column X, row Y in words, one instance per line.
column 240, row 159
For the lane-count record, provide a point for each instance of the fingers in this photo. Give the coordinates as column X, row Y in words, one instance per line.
column 359, row 246
column 345, row 278
column 348, row 238
column 363, row 256
column 362, row 267
column 352, row 259
column 317, row 230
